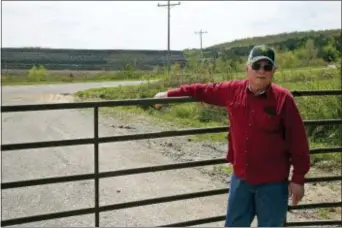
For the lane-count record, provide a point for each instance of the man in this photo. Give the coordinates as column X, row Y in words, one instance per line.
column 266, row 137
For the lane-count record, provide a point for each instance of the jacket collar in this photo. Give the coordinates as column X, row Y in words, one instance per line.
column 266, row 92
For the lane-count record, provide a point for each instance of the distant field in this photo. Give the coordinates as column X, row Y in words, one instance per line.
column 19, row 72
column 24, row 77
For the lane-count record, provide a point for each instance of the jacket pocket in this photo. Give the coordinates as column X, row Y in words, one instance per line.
column 267, row 121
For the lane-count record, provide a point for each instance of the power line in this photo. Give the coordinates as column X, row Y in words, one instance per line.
column 168, row 30
column 200, row 34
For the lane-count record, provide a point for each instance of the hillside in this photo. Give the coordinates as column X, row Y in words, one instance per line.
column 324, row 45
column 327, row 43
column 280, row 38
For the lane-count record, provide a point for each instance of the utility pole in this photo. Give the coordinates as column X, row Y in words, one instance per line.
column 168, row 31
column 201, row 33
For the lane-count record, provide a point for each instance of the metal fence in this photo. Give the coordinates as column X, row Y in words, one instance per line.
column 96, row 176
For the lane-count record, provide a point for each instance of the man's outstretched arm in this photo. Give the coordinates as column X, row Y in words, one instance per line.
column 212, row 93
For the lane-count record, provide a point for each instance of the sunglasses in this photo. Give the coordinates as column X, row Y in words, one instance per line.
column 258, row 66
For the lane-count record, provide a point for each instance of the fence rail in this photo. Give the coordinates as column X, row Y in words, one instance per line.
column 96, row 140
column 153, row 135
column 125, row 172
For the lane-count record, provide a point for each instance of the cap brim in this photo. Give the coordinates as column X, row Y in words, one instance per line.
column 256, row 59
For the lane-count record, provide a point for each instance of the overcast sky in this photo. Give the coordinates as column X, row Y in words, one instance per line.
column 143, row 25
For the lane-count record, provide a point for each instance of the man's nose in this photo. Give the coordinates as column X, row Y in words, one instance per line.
column 261, row 70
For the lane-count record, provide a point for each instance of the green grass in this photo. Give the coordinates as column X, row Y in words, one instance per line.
column 326, row 213
column 194, row 115
column 15, row 83
column 223, row 169
column 15, row 77
column 323, row 213
column 63, row 78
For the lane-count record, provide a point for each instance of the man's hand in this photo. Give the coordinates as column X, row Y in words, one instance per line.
column 296, row 192
column 160, row 95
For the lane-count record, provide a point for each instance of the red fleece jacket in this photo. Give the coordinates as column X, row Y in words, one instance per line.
column 266, row 134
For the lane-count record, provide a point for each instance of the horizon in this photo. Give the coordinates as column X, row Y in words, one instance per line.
column 94, row 25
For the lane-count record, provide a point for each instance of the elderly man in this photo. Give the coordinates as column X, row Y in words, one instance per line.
column 266, row 137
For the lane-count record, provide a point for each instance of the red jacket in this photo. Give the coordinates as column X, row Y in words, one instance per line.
column 266, row 135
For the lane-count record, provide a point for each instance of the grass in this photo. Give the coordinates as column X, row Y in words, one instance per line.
column 326, row 213
column 22, row 77
column 60, row 77
column 187, row 115
column 323, row 213
column 224, row 169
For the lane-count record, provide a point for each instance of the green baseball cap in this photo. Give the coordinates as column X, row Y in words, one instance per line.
column 260, row 52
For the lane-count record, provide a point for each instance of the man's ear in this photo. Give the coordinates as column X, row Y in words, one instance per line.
column 246, row 68
column 274, row 69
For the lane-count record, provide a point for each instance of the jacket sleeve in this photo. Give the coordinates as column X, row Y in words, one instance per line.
column 296, row 140
column 212, row 93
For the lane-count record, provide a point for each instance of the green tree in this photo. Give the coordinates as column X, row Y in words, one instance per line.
column 329, row 53
column 311, row 50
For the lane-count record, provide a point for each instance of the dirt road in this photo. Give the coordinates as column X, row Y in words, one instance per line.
column 50, row 162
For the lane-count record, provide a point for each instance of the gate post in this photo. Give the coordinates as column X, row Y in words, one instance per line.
column 96, row 165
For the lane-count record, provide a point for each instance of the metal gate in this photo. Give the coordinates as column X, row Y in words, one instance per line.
column 96, row 140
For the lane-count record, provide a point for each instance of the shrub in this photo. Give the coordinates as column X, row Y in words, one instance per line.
column 37, row 74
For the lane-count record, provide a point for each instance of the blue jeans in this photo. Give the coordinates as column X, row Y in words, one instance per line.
column 268, row 202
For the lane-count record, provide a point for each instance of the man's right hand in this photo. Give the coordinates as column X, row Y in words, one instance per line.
column 160, row 95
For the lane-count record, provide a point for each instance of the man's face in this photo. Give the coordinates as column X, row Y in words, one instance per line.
column 260, row 73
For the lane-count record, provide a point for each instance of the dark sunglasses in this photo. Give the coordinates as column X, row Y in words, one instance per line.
column 258, row 66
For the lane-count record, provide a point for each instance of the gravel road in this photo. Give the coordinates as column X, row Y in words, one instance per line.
column 28, row 93
column 72, row 160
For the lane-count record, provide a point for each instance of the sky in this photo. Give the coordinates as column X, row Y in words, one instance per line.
column 143, row 25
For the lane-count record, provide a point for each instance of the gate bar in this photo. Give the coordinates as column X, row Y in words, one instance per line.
column 134, row 102
column 315, row 223
column 223, row 217
column 84, row 211
column 140, row 136
column 124, row 172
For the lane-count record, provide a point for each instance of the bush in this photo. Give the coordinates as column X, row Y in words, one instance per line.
column 37, row 74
